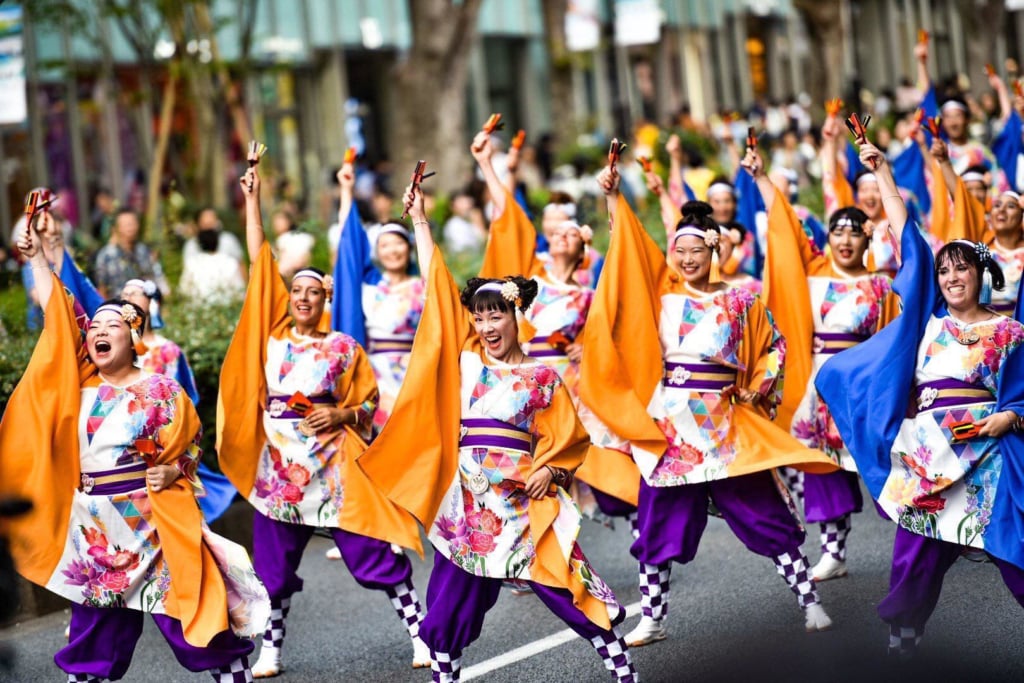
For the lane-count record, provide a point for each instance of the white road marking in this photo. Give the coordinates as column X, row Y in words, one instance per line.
column 530, row 649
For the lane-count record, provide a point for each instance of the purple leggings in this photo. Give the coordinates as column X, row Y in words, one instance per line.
column 828, row 497
column 278, row 547
column 919, row 564
column 612, row 506
column 103, row 639
column 672, row 519
column 457, row 602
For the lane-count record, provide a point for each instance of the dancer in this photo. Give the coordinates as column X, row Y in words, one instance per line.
column 822, row 305
column 294, row 409
column 107, row 453
column 704, row 361
column 501, row 441
column 553, row 328
column 944, row 467
column 378, row 307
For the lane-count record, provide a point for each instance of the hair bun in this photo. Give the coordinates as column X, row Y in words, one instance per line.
column 696, row 209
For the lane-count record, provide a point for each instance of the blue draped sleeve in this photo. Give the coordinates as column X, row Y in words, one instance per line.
column 748, row 204
column 80, row 286
column 1008, row 146
column 352, row 269
column 908, row 170
column 867, row 388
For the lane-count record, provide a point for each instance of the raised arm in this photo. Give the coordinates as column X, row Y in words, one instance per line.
column 608, row 181
column 1005, row 106
column 512, row 165
column 413, row 200
column 254, row 238
column 669, row 210
column 924, row 80
column 30, row 244
column 940, row 153
column 754, row 165
column 892, row 200
column 346, row 182
column 676, row 193
column 482, row 152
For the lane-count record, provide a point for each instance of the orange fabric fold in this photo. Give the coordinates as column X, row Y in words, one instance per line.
column 41, row 462
column 612, row 472
column 791, row 259
column 842, row 190
column 622, row 362
column 969, row 215
column 511, row 244
column 956, row 214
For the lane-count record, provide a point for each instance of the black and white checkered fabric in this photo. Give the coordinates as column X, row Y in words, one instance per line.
column 654, row 589
column 794, row 570
column 833, row 537
column 445, row 667
column 236, row 672
column 407, row 605
column 615, row 654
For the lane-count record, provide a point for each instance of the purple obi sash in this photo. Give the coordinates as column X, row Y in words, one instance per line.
column 486, row 433
column 541, row 347
column 944, row 393
column 830, row 343
column 113, row 482
column 1003, row 307
column 698, row 376
column 389, row 345
column 278, row 408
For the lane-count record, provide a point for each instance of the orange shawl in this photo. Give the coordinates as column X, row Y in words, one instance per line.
column 964, row 220
column 41, row 462
column 428, row 413
column 243, row 391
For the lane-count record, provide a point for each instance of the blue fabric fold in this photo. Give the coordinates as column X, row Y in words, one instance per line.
column 748, row 205
column 79, row 285
column 353, row 268
column 1008, row 146
column 909, row 171
column 219, row 493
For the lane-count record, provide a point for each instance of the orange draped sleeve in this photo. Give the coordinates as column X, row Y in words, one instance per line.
column 762, row 444
column 960, row 217
column 969, row 215
column 622, row 362
column 562, row 441
column 39, row 440
column 791, row 259
column 414, row 459
column 511, row 244
column 243, row 383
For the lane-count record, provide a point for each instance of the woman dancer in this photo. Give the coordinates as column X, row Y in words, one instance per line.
column 294, row 409
column 379, row 308
column 501, row 442
column 822, row 305
column 552, row 328
column 948, row 475
column 108, row 453
column 704, row 361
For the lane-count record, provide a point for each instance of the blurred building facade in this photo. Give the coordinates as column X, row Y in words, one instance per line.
column 319, row 76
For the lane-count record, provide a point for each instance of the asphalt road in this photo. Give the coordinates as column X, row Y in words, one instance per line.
column 731, row 619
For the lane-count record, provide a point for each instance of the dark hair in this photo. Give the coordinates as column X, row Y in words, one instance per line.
column 962, row 251
column 858, row 217
column 977, row 168
column 721, row 180
column 737, row 226
column 697, row 214
column 315, row 270
column 476, row 301
column 557, row 197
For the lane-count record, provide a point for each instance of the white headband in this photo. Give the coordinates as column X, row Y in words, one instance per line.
column 973, row 177
column 1012, row 194
column 691, row 231
column 490, row 287
column 867, row 177
column 307, row 272
column 721, row 188
column 568, row 208
column 953, row 104
column 148, row 287
column 395, row 229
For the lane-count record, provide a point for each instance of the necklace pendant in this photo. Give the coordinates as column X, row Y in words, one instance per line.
column 478, row 483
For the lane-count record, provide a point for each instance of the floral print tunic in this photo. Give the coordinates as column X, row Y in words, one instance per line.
column 299, row 479
column 113, row 556
column 392, row 313
column 708, row 329
column 488, row 534
column 839, row 305
column 936, row 487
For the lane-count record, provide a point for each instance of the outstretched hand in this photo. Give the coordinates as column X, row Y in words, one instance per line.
column 752, row 163
column 250, row 183
column 608, row 181
column 412, row 200
column 939, row 151
column 482, row 149
column 346, row 176
column 871, row 157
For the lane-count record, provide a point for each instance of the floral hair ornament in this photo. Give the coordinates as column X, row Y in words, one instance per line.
column 586, row 233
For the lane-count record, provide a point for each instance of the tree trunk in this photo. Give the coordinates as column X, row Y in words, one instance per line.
column 824, row 28
column 163, row 138
column 560, row 61
column 430, row 92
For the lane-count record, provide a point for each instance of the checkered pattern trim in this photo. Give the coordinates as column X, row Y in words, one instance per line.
column 445, row 666
column 793, row 568
column 274, row 635
column 903, row 640
column 833, row 537
column 407, row 605
column 654, row 589
column 236, row 672
column 794, row 481
column 83, row 678
column 634, row 525
column 612, row 648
